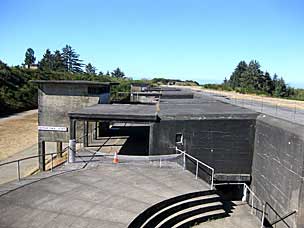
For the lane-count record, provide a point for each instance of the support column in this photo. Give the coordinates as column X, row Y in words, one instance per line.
column 72, row 141
column 99, row 129
column 59, row 149
column 41, row 152
column 95, row 130
column 103, row 128
column 151, row 139
column 85, row 133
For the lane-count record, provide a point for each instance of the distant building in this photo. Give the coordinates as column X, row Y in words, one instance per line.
column 32, row 66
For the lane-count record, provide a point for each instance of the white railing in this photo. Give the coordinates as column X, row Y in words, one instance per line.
column 197, row 165
column 246, row 190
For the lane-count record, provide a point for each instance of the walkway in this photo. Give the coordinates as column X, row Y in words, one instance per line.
column 100, row 195
column 294, row 113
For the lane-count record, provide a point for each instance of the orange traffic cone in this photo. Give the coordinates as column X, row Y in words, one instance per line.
column 115, row 159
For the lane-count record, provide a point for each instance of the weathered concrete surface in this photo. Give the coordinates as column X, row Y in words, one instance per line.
column 226, row 145
column 240, row 217
column 277, row 173
column 101, row 195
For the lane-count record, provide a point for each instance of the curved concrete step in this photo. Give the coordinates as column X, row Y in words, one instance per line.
column 176, row 207
column 184, row 214
column 210, row 215
column 149, row 212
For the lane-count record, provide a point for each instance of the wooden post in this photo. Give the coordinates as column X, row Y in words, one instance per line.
column 59, row 149
column 41, row 152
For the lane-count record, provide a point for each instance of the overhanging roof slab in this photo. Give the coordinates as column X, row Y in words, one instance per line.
column 119, row 112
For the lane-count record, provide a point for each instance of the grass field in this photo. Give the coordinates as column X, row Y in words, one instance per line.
column 18, row 133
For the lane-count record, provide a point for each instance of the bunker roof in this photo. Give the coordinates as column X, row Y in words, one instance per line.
column 123, row 112
column 200, row 108
column 75, row 82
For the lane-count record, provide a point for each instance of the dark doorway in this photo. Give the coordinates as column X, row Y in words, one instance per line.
column 137, row 138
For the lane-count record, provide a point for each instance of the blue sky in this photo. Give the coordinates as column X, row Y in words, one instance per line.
column 200, row 40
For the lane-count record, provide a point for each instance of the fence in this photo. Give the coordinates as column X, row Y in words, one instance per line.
column 290, row 110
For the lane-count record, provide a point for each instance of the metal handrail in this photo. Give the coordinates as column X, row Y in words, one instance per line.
column 197, row 162
column 246, row 188
column 27, row 158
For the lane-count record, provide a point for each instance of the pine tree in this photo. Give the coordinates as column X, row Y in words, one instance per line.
column 47, row 61
column 117, row 73
column 71, row 60
column 236, row 77
column 90, row 69
column 58, row 62
column 29, row 57
column 280, row 88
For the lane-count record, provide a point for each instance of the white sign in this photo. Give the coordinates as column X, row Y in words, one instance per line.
column 50, row 128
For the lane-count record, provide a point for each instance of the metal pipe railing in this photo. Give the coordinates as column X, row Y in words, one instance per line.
column 18, row 162
column 197, row 165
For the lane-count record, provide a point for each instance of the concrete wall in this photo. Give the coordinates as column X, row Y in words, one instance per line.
column 55, row 101
column 277, row 171
column 226, row 145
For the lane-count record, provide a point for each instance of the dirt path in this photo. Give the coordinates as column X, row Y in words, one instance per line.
column 17, row 133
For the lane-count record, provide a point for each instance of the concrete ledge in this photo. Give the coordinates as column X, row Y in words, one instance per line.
column 232, row 177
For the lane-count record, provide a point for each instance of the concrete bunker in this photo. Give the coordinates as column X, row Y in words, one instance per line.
column 235, row 141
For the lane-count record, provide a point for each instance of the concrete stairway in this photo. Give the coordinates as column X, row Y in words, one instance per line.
column 182, row 211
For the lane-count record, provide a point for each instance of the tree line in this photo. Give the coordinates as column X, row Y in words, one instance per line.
column 249, row 78
column 66, row 60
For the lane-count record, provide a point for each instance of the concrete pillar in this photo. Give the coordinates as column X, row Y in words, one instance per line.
column 59, row 149
column 72, row 141
column 41, row 152
column 95, row 130
column 72, row 151
column 85, row 133
column 151, row 139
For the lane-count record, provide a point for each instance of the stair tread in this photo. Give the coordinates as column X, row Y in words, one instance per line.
column 214, row 212
column 190, row 209
column 193, row 199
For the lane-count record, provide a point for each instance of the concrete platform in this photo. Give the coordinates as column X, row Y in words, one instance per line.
column 100, row 195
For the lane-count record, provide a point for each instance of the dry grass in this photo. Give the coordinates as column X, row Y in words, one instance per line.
column 17, row 134
column 270, row 100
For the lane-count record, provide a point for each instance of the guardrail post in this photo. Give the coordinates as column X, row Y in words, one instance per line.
column 184, row 160
column 51, row 162
column 252, row 203
column 244, row 198
column 160, row 163
column 196, row 173
column 18, row 170
column 263, row 215
column 212, row 179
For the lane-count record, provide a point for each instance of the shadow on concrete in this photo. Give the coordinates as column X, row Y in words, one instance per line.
column 137, row 140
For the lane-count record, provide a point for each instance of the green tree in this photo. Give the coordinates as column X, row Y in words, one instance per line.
column 58, row 61
column 236, row 77
column 71, row 60
column 90, row 69
column 47, row 61
column 117, row 73
column 280, row 88
column 29, row 57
